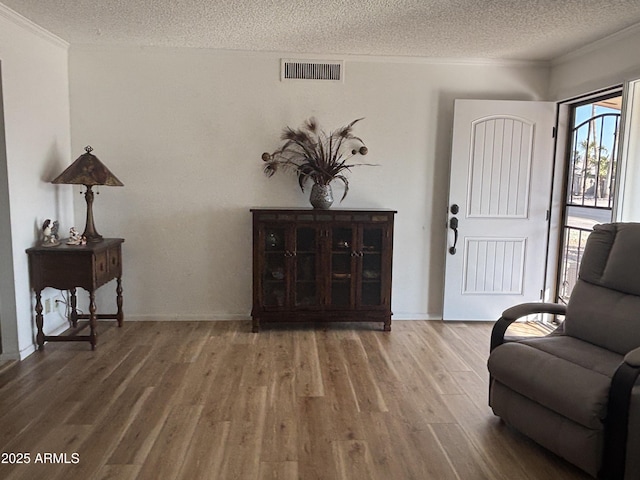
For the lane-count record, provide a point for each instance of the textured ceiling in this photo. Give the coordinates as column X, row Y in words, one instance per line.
column 494, row 29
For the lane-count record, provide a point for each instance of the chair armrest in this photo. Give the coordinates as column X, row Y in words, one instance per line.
column 510, row 315
column 525, row 309
column 617, row 421
column 633, row 358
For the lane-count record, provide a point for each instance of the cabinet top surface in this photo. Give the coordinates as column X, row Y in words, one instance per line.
column 320, row 211
column 89, row 248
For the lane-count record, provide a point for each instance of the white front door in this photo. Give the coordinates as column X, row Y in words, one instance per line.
column 500, row 187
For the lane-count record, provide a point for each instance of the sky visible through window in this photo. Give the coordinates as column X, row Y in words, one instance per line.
column 584, row 112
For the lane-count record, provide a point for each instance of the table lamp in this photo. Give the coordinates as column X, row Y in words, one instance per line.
column 87, row 170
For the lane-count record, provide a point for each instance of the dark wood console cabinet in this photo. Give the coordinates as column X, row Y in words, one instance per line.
column 322, row 265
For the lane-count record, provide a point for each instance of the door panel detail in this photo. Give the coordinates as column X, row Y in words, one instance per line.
column 494, row 266
column 500, row 167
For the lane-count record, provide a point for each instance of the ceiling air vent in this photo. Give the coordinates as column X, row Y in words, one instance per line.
column 311, row 70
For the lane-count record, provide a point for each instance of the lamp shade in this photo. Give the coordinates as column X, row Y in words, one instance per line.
column 87, row 170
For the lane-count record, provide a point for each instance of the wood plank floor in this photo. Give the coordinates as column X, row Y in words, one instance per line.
column 210, row 400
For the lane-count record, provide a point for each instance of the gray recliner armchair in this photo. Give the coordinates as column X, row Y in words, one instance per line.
column 576, row 391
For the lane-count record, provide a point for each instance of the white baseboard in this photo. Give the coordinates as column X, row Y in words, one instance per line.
column 415, row 316
column 6, row 357
column 25, row 352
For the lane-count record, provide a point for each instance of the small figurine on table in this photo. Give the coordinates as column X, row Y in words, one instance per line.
column 76, row 238
column 50, row 233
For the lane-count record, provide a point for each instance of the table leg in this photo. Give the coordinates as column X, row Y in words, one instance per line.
column 119, row 314
column 39, row 320
column 74, row 304
column 93, row 321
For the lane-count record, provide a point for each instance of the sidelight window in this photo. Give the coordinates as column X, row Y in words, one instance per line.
column 590, row 181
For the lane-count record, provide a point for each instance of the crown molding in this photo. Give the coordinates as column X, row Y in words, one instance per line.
column 597, row 45
column 27, row 25
column 347, row 57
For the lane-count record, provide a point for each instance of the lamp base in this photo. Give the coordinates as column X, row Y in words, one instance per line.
column 92, row 238
column 90, row 232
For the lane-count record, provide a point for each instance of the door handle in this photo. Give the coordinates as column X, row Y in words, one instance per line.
column 453, row 225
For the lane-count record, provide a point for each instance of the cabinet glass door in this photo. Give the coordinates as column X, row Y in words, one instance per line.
column 341, row 266
column 306, row 285
column 274, row 274
column 371, row 273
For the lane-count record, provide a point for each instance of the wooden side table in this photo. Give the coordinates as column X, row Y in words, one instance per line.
column 65, row 267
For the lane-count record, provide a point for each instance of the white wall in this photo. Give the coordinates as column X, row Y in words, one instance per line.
column 35, row 90
column 602, row 64
column 184, row 130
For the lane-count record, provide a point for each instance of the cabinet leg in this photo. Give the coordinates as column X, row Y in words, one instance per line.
column 120, row 314
column 39, row 320
column 256, row 325
column 93, row 321
column 387, row 325
column 74, row 310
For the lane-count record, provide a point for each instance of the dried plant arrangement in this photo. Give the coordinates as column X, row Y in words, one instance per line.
column 312, row 154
